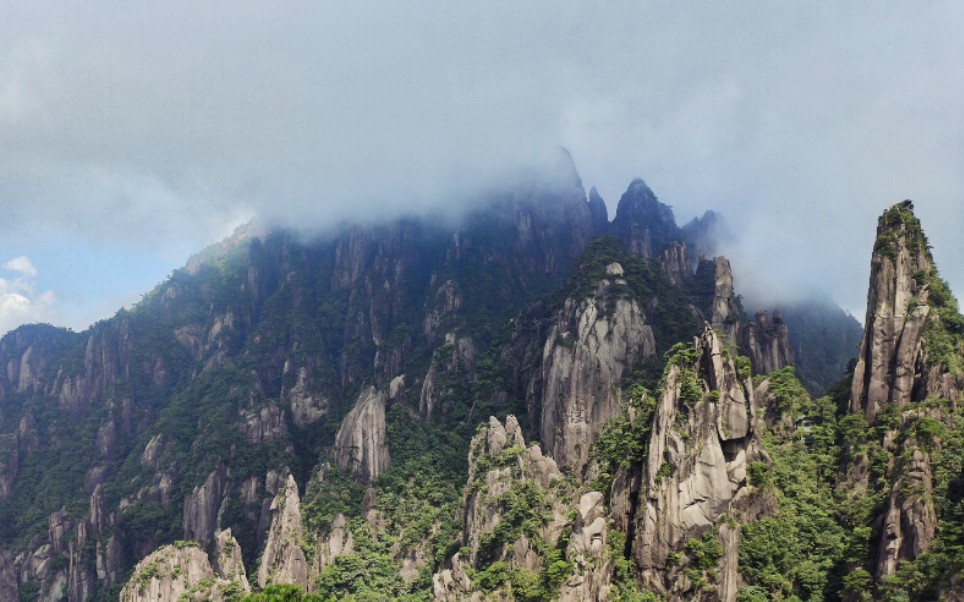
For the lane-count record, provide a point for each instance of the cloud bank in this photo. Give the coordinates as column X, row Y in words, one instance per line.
column 153, row 129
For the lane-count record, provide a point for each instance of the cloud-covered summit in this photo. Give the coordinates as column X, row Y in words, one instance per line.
column 149, row 131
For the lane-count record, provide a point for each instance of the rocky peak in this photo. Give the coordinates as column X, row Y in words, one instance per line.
column 644, row 224
column 594, row 343
column 183, row 572
column 283, row 559
column 703, row 440
column 906, row 301
column 598, row 211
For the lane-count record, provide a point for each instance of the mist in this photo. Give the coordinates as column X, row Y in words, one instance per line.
column 132, row 135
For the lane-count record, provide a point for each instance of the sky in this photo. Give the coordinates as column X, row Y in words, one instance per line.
column 133, row 134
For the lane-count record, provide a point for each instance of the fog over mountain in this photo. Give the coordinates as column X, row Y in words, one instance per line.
column 132, row 135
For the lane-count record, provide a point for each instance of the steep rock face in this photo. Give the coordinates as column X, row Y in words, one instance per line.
column 910, row 520
column 360, row 444
column 766, row 342
column 495, row 528
column 643, row 223
column 201, row 507
column 912, row 338
column 283, row 560
column 179, row 573
column 593, row 344
column 587, row 550
column 893, row 366
column 702, row 442
column 675, row 263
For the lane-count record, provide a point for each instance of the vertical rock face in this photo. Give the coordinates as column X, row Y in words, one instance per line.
column 910, row 520
column 183, row 572
column 593, row 345
column 766, row 342
column 201, row 507
column 893, row 366
column 361, row 444
column 675, row 263
column 283, row 560
column 702, row 441
column 502, row 471
column 911, row 334
column 643, row 223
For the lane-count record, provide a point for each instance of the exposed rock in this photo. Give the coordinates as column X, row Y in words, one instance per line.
column 675, row 263
column 766, row 342
column 228, row 563
column 594, row 344
column 361, row 445
column 283, row 560
column 337, row 542
column 587, row 550
column 892, row 366
column 701, row 445
column 501, row 468
column 453, row 363
column 9, row 463
column 152, row 455
column 910, row 520
column 448, row 299
column 201, row 507
column 8, row 578
column 263, row 425
column 306, row 407
column 183, row 573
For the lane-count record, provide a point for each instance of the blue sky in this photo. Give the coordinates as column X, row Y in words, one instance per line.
column 134, row 134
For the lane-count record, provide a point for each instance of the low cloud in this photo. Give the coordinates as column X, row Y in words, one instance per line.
column 155, row 128
column 19, row 301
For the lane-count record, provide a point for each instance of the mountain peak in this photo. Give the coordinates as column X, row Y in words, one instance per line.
column 643, row 223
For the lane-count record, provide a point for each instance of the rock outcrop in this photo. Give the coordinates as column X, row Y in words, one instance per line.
column 766, row 342
column 183, row 572
column 893, row 366
column 702, row 442
column 283, row 559
column 911, row 338
column 361, row 445
column 593, row 345
column 498, row 528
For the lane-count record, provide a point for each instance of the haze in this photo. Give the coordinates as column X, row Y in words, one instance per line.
column 134, row 134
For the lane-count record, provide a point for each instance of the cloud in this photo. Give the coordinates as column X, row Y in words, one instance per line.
column 21, row 264
column 150, row 129
column 19, row 303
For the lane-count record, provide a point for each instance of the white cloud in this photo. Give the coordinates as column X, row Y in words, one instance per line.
column 21, row 264
column 19, row 302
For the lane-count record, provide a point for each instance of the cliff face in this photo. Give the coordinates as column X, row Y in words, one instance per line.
column 906, row 386
column 180, row 572
column 703, row 439
column 593, row 345
column 516, row 518
column 360, row 444
column 893, row 365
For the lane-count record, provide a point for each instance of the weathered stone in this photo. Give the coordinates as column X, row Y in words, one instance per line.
column 283, row 560
column 361, row 444
column 593, row 345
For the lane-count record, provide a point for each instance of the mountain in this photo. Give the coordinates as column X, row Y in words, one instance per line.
column 531, row 403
